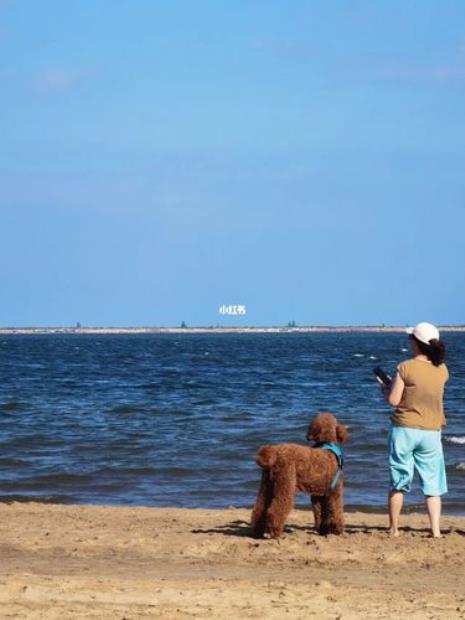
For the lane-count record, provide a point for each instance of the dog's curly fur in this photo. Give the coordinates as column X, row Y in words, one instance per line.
column 289, row 468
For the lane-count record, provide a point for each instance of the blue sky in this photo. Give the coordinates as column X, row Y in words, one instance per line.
column 159, row 159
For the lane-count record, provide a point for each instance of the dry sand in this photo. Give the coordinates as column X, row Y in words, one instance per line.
column 115, row 563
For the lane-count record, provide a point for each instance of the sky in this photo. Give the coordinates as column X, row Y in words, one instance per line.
column 161, row 159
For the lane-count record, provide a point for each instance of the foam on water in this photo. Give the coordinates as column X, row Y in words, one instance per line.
column 460, row 439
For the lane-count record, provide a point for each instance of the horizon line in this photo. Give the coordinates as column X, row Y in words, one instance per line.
column 80, row 329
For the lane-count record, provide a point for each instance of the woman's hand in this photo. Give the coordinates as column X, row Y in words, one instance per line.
column 384, row 388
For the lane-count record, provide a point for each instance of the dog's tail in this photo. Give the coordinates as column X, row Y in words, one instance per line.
column 266, row 456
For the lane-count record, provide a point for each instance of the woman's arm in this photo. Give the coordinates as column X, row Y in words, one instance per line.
column 393, row 395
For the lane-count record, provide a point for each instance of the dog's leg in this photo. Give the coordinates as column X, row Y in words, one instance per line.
column 283, row 500
column 334, row 522
column 317, row 510
column 324, row 523
column 264, row 497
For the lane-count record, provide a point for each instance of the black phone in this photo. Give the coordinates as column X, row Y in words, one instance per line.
column 386, row 379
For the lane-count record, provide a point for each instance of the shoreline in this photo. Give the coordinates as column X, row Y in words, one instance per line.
column 417, row 509
column 62, row 562
column 5, row 331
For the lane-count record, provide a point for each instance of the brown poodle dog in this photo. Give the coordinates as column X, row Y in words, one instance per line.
column 289, row 468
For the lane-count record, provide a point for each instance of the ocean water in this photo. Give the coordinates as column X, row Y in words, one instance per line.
column 175, row 420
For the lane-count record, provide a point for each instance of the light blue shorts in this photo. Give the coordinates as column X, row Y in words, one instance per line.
column 413, row 448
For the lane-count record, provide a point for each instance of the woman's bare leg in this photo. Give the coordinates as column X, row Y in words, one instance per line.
column 395, row 502
column 433, row 506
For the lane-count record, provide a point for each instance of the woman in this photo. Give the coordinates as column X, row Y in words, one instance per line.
column 415, row 436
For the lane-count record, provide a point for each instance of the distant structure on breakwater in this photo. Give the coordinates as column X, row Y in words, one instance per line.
column 4, row 331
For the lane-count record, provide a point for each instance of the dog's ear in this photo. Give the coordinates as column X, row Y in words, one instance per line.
column 315, row 431
column 341, row 433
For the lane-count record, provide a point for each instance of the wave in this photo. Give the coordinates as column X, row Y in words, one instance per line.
column 457, row 439
column 41, row 499
column 12, row 462
column 39, row 443
column 52, row 480
column 13, row 405
column 142, row 471
column 121, row 409
column 174, row 471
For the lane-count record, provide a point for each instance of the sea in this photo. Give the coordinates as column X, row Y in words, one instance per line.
column 176, row 419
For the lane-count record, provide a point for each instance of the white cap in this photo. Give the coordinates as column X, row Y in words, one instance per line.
column 424, row 332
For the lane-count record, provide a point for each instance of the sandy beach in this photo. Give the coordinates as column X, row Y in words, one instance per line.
column 101, row 562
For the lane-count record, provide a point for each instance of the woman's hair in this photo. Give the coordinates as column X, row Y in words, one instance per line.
column 435, row 351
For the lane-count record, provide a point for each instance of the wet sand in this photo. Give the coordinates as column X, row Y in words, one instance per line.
column 115, row 563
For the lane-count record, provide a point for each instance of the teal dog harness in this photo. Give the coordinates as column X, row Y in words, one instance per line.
column 337, row 451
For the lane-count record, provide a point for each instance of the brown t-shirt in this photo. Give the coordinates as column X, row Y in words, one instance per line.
column 421, row 405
